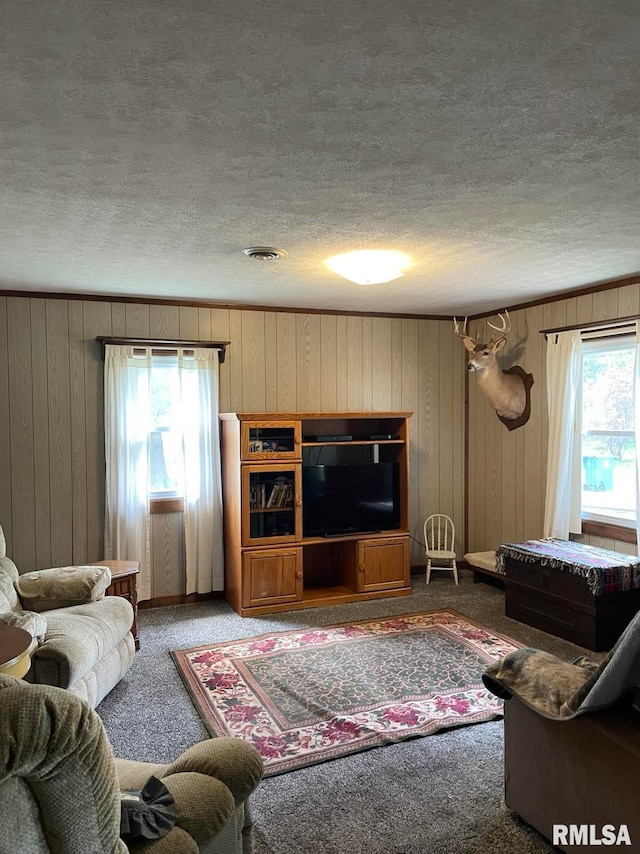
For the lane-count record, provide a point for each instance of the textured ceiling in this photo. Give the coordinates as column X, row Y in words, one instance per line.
column 145, row 144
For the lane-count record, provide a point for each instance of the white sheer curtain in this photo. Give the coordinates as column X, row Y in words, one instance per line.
column 126, row 421
column 127, row 427
column 636, row 398
column 204, row 567
column 562, row 512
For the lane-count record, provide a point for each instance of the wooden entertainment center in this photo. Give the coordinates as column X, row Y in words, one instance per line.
column 270, row 565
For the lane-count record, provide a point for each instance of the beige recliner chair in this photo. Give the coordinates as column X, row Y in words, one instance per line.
column 84, row 640
column 60, row 784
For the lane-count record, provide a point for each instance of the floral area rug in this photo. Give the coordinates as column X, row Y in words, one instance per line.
column 303, row 697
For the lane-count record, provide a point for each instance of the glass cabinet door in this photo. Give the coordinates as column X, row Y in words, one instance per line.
column 272, row 507
column 270, row 440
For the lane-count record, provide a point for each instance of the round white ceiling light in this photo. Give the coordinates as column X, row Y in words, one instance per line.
column 369, row 266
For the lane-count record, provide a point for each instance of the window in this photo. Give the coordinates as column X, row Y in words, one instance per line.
column 166, row 469
column 608, row 451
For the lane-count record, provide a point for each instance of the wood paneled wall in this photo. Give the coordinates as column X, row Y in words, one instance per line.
column 507, row 470
column 51, row 395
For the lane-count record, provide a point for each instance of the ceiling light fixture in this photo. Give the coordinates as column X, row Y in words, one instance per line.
column 369, row 266
column 264, row 253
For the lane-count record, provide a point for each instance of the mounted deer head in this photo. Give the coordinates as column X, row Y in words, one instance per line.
column 506, row 391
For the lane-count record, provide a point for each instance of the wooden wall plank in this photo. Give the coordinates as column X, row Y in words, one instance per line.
column 520, row 480
column 167, row 555
column 476, row 461
column 424, row 429
column 255, row 362
column 137, row 320
column 396, row 363
column 535, row 443
column 443, row 440
column 204, row 324
column 342, row 365
column 494, row 437
column 457, row 427
column 308, row 360
column 234, row 361
column 382, row 364
column 354, row 364
column 188, row 322
column 629, row 300
column 97, row 320
column 5, row 430
column 119, row 319
column 286, row 362
column 220, row 324
column 220, row 332
column 59, row 405
column 328, row 363
column 164, row 322
column 367, row 364
column 42, row 528
column 271, row 366
column 77, row 412
column 584, row 308
column 605, row 305
column 21, row 433
column 410, row 403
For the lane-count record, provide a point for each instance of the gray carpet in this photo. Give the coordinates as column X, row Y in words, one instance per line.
column 442, row 793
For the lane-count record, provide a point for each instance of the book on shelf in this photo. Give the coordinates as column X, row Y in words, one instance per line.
column 271, row 501
column 264, row 496
column 278, row 494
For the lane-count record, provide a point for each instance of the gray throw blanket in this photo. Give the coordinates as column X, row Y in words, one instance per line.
column 559, row 690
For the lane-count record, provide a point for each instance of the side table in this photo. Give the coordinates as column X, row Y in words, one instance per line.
column 15, row 651
column 124, row 583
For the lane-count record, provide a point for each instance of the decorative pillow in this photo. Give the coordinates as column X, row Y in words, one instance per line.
column 46, row 589
column 31, row 622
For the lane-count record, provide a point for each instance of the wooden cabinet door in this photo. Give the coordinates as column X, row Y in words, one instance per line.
column 271, row 577
column 262, row 441
column 271, row 503
column 383, row 564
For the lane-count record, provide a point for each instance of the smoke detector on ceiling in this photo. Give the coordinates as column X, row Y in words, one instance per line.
column 264, row 253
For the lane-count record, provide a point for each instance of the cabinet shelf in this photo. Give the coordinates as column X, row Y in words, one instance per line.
column 271, row 509
column 344, row 538
column 353, row 442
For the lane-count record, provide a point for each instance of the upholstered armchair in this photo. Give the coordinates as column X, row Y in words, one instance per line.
column 60, row 786
column 84, row 640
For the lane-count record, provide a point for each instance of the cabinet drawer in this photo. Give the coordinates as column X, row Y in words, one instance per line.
column 271, row 577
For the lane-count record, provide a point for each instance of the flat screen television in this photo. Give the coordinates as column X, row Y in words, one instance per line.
column 350, row 499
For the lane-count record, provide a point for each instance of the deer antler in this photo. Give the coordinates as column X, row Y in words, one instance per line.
column 505, row 323
column 456, row 328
